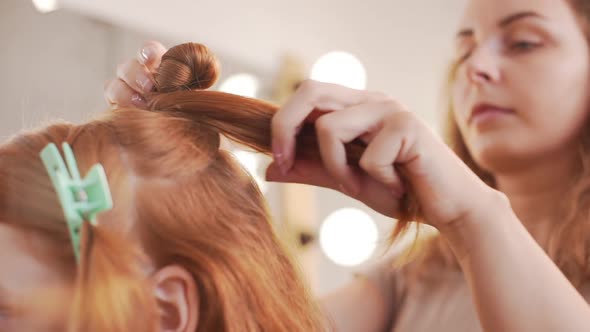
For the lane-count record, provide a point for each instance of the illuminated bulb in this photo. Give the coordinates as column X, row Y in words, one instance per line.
column 348, row 236
column 241, row 84
column 340, row 68
column 45, row 6
column 251, row 162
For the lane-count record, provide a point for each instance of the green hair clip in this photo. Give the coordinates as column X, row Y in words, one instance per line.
column 81, row 199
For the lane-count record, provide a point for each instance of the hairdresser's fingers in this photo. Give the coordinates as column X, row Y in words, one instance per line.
column 136, row 76
column 118, row 94
column 336, row 129
column 380, row 156
column 332, row 133
column 310, row 96
column 372, row 192
column 150, row 54
column 385, row 142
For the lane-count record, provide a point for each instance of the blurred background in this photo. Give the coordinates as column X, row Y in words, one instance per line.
column 57, row 54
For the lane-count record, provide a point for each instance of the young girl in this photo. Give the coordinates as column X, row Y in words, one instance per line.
column 188, row 245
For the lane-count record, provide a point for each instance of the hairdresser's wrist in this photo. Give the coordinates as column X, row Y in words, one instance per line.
column 490, row 216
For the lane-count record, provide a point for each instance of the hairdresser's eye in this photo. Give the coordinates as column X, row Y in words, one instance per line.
column 523, row 46
column 464, row 57
column 463, row 49
column 463, row 54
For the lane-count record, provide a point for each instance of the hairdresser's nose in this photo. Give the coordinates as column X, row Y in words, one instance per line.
column 483, row 67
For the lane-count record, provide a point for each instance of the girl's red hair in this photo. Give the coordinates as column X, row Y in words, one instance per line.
column 178, row 200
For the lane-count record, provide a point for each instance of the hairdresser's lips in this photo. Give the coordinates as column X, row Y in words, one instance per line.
column 486, row 113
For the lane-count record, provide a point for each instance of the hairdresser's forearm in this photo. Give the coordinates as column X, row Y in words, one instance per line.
column 515, row 285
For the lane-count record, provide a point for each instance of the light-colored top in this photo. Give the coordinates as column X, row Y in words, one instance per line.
column 443, row 306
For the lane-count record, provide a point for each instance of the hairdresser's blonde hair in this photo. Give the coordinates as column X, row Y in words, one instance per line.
column 569, row 241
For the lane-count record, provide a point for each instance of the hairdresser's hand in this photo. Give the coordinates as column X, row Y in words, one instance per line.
column 134, row 77
column 399, row 146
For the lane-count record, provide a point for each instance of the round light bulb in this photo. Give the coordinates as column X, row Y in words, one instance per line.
column 251, row 162
column 241, row 84
column 340, row 68
column 348, row 236
column 45, row 6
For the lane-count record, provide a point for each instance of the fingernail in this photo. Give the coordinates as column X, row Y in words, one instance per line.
column 145, row 83
column 144, row 55
column 279, row 159
column 137, row 100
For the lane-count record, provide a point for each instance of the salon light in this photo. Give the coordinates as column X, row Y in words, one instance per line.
column 340, row 68
column 241, row 84
column 348, row 236
column 45, row 6
column 251, row 162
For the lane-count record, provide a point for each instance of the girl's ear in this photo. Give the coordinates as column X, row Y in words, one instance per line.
column 177, row 296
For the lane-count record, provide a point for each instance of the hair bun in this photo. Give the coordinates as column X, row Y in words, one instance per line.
column 189, row 66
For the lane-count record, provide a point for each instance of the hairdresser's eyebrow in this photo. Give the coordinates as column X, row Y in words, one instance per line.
column 505, row 22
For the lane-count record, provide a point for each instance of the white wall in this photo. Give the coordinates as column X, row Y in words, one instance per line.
column 52, row 65
column 55, row 65
column 404, row 44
